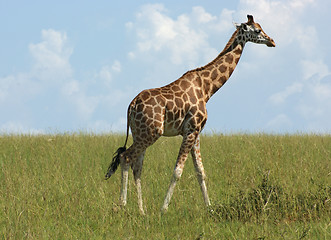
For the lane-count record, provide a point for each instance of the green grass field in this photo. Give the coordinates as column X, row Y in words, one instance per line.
column 261, row 187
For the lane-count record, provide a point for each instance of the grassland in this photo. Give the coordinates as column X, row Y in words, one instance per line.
column 261, row 187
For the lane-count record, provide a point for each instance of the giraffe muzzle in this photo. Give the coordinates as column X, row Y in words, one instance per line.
column 271, row 43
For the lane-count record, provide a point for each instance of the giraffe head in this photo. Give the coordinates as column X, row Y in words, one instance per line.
column 252, row 32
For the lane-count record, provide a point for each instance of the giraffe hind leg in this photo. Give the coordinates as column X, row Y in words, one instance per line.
column 137, row 168
column 132, row 157
column 126, row 160
column 124, row 181
column 201, row 176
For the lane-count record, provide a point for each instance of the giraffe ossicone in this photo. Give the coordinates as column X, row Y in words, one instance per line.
column 179, row 108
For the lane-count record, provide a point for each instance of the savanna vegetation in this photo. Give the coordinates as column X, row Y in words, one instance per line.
column 261, row 187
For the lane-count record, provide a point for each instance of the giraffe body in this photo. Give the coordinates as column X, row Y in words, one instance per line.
column 179, row 108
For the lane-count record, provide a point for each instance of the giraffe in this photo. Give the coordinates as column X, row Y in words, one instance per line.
column 179, row 108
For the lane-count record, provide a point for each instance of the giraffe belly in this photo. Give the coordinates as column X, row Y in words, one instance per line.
column 169, row 132
column 172, row 128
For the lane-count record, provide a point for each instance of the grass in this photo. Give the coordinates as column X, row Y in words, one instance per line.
column 261, row 187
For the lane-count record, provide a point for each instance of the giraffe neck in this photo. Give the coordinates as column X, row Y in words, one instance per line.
column 217, row 72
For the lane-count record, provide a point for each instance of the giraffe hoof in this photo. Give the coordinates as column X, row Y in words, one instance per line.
column 210, row 210
column 164, row 210
column 142, row 212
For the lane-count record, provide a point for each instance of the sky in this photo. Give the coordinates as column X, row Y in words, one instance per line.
column 74, row 66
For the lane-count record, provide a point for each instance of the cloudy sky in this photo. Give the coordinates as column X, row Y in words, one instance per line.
column 71, row 66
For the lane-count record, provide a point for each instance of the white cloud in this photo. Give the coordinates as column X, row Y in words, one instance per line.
column 280, row 97
column 107, row 71
column 307, row 38
column 50, row 68
column 311, row 68
column 89, row 94
column 322, row 92
column 84, row 105
column 117, row 67
column 51, row 56
column 312, row 107
column 131, row 55
column 13, row 88
column 184, row 40
column 317, row 100
column 105, row 74
column 224, row 22
column 201, row 15
column 51, row 76
column 71, row 88
column 300, row 4
column 7, row 84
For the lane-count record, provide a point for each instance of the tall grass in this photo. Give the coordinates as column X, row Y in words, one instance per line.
column 261, row 187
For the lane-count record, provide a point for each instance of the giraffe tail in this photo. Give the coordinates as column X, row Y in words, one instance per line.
column 115, row 162
column 116, row 159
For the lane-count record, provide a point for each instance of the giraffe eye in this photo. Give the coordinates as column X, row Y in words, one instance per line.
column 258, row 31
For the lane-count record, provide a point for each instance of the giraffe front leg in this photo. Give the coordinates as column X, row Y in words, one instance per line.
column 197, row 161
column 185, row 148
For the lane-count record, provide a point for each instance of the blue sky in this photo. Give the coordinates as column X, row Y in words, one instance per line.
column 76, row 65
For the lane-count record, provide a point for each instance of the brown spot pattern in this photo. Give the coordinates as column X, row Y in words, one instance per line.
column 229, row 58
column 223, row 68
column 214, row 75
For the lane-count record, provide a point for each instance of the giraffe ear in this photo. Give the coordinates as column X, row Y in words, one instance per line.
column 250, row 19
column 237, row 25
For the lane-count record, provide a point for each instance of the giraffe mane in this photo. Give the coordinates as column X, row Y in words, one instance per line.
column 228, row 45
column 225, row 50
